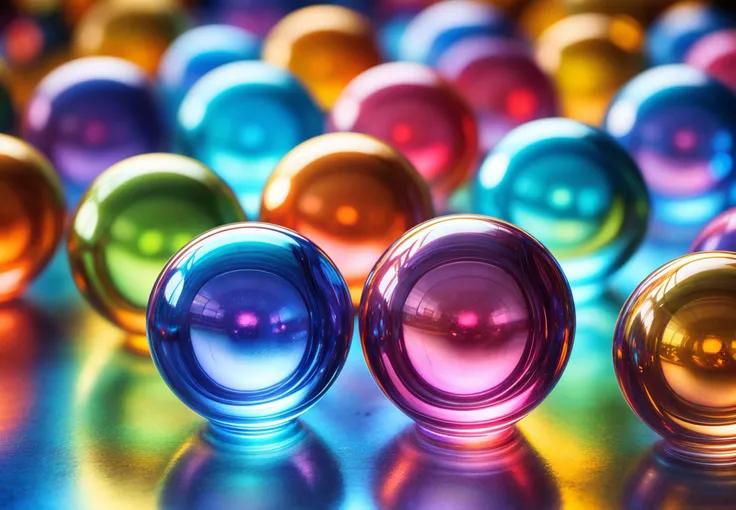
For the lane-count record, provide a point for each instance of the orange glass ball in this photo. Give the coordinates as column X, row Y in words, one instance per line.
column 32, row 212
column 351, row 194
column 325, row 46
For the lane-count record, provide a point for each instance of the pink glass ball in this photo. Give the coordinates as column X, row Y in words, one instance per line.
column 411, row 107
column 467, row 323
column 716, row 55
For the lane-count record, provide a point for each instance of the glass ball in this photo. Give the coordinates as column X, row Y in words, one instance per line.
column 412, row 108
column 197, row 52
column 674, row 355
column 467, row 323
column 573, row 188
column 241, row 119
column 351, row 194
column 325, row 46
column 716, row 55
column 590, row 56
column 32, row 214
column 132, row 219
column 249, row 325
column 719, row 234
column 502, row 83
column 91, row 113
column 437, row 27
column 679, row 125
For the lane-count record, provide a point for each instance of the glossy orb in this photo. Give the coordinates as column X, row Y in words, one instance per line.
column 132, row 219
column 351, row 194
column 679, row 125
column 674, row 355
column 31, row 214
column 438, row 26
column 197, row 52
column 573, row 188
column 412, row 108
column 502, row 83
column 590, row 57
column 467, row 323
column 241, row 119
column 716, row 55
column 719, row 234
column 249, row 325
column 91, row 113
column 325, row 46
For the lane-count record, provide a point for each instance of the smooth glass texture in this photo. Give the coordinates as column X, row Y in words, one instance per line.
column 715, row 54
column 91, row 113
column 32, row 214
column 467, row 323
column 412, row 108
column 241, row 119
column 249, row 325
column 674, row 354
column 351, row 194
column 573, row 188
column 132, row 219
column 325, row 46
column 719, row 234
column 679, row 124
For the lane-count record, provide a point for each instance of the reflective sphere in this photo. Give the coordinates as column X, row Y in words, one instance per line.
column 351, row 194
column 249, row 325
column 502, row 83
column 241, row 119
column 132, row 220
column 590, row 57
column 91, row 113
column 573, row 188
column 325, row 46
column 674, row 355
column 415, row 110
column 31, row 215
column 719, row 234
column 438, row 26
column 467, row 323
column 197, row 52
column 716, row 55
column 679, row 125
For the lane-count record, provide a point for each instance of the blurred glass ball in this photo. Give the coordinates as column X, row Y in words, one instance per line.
column 719, row 234
column 715, row 54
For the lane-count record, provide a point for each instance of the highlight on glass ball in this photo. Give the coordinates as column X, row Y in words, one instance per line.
column 412, row 108
column 715, row 54
column 241, row 119
column 132, row 219
column 590, row 57
column 351, row 194
column 573, row 188
column 325, row 46
column 249, row 325
column 90, row 113
column 467, row 323
column 679, row 125
column 674, row 356
column 32, row 214
column 719, row 234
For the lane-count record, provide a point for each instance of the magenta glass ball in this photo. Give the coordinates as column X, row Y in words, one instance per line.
column 716, row 55
column 718, row 235
column 467, row 323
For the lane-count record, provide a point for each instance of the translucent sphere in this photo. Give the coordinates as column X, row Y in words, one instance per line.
column 412, row 108
column 716, row 55
column 132, row 219
column 679, row 125
column 674, row 355
column 31, row 215
column 351, row 194
column 197, row 52
column 241, row 119
column 719, row 234
column 91, row 113
column 467, row 323
column 325, row 46
column 249, row 325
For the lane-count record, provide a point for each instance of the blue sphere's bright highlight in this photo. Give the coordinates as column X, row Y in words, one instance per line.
column 241, row 119
column 679, row 125
column 573, row 188
column 249, row 325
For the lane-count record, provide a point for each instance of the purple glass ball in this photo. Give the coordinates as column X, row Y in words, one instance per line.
column 718, row 235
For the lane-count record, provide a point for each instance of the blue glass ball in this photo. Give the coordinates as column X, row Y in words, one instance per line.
column 679, row 125
column 249, row 325
column 241, row 119
column 573, row 188
column 197, row 52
